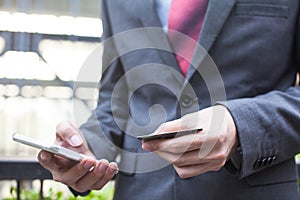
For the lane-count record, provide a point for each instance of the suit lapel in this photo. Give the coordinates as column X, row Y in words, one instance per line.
column 147, row 13
column 149, row 18
column 217, row 13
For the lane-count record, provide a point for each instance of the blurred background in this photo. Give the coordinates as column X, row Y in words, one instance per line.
column 43, row 46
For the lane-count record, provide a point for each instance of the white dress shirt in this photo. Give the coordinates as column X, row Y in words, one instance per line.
column 162, row 9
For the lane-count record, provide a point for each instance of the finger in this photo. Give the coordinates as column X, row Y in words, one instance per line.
column 109, row 174
column 187, row 122
column 192, row 157
column 65, row 170
column 97, row 177
column 176, row 145
column 45, row 159
column 171, row 126
column 75, row 173
column 194, row 170
column 206, row 141
column 183, row 159
column 86, row 182
column 53, row 162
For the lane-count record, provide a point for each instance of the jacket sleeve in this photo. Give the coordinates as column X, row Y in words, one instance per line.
column 268, row 129
column 268, row 125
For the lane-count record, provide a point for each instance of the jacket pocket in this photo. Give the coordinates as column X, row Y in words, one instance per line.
column 261, row 9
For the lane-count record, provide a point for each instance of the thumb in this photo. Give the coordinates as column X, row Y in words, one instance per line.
column 67, row 133
column 171, row 126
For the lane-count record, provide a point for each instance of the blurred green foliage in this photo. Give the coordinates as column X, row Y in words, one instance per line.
column 105, row 194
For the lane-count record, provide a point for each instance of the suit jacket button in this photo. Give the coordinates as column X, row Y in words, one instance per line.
column 270, row 160
column 186, row 101
column 257, row 164
column 264, row 162
column 273, row 159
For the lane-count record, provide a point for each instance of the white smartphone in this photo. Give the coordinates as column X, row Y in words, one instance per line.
column 55, row 149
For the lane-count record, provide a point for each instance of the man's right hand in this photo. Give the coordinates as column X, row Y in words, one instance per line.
column 89, row 174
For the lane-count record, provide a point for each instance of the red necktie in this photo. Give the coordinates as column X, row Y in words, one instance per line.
column 186, row 17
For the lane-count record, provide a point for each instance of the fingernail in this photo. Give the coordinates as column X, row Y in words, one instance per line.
column 147, row 146
column 76, row 141
column 102, row 167
column 88, row 165
column 112, row 170
column 43, row 156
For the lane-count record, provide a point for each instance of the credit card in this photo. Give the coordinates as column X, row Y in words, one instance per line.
column 168, row 135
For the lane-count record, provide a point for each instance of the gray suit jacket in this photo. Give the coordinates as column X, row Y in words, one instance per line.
column 255, row 46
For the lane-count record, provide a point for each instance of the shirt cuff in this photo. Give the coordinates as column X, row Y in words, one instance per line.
column 75, row 193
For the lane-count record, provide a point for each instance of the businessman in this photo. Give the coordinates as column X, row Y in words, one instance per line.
column 241, row 97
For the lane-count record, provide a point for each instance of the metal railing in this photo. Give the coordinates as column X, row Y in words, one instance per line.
column 29, row 169
column 23, row 169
